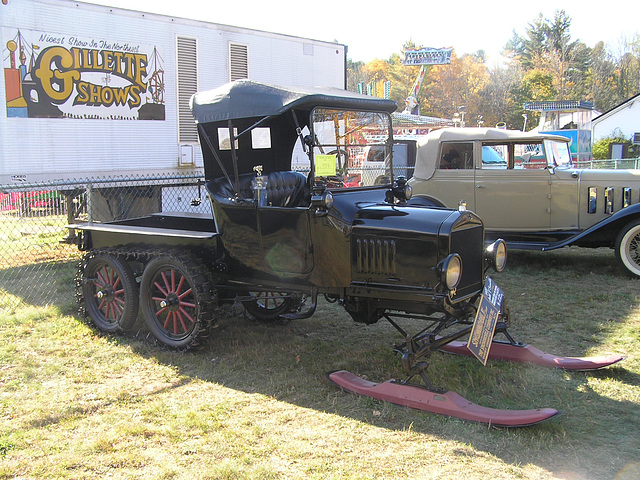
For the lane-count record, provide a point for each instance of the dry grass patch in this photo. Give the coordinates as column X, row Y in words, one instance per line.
column 255, row 403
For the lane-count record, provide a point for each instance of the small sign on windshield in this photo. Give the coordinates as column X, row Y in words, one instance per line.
column 325, row 165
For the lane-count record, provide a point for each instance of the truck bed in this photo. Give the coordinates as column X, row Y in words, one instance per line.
column 160, row 229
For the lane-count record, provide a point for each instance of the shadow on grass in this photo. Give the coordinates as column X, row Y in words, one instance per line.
column 289, row 363
column 580, row 261
column 596, row 437
column 42, row 284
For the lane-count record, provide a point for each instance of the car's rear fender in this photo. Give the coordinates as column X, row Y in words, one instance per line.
column 603, row 233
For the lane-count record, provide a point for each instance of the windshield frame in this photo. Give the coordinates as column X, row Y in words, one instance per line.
column 346, row 134
column 557, row 157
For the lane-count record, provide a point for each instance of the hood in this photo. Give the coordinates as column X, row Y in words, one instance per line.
column 409, row 220
column 631, row 177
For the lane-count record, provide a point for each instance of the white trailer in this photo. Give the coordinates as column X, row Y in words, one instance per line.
column 95, row 91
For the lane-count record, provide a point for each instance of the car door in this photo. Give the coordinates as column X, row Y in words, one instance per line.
column 510, row 198
column 565, row 184
column 453, row 178
column 286, row 240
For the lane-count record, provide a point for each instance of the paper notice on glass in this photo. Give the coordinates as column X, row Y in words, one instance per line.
column 325, row 165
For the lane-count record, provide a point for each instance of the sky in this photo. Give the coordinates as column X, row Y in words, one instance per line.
column 378, row 31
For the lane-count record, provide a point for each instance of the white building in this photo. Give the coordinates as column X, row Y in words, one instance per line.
column 624, row 118
column 91, row 91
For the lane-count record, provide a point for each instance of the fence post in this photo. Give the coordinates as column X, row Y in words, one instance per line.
column 90, row 202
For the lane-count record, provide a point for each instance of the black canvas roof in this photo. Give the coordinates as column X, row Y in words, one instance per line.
column 246, row 98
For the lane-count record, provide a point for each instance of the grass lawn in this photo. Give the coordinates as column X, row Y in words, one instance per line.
column 255, row 403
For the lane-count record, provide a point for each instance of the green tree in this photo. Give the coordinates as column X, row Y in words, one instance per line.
column 602, row 80
column 498, row 102
column 600, row 149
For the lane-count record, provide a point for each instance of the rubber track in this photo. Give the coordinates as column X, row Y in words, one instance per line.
column 202, row 276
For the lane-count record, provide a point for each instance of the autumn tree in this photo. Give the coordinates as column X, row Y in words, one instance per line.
column 627, row 73
column 498, row 101
column 449, row 88
column 544, row 64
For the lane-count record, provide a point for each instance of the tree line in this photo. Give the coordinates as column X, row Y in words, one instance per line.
column 544, row 64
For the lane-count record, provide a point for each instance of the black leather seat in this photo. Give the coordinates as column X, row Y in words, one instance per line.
column 284, row 189
column 222, row 191
column 287, row 189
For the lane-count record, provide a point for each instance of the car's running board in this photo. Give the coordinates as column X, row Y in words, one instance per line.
column 530, row 354
column 449, row 403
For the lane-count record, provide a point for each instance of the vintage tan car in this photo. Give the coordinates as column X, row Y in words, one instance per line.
column 527, row 191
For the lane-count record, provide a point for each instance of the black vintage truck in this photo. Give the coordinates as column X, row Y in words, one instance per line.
column 294, row 217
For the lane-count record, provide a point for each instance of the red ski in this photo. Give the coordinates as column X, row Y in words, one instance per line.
column 448, row 403
column 527, row 353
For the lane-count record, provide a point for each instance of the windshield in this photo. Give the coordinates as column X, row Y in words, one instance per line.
column 558, row 153
column 351, row 148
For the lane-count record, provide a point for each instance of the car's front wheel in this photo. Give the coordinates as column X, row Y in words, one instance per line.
column 628, row 248
column 269, row 306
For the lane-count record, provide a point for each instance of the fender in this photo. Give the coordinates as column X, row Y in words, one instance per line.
column 425, row 201
column 609, row 227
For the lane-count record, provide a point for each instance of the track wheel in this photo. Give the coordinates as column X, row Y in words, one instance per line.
column 177, row 301
column 110, row 293
column 628, row 248
column 268, row 306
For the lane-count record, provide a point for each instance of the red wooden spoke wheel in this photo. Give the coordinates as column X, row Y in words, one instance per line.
column 175, row 297
column 110, row 293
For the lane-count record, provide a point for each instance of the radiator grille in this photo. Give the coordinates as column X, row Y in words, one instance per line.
column 468, row 242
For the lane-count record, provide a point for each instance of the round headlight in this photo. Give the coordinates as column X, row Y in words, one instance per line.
column 451, row 271
column 497, row 255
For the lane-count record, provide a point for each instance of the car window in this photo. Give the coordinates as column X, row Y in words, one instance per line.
column 518, row 156
column 529, row 156
column 495, row 156
column 456, row 156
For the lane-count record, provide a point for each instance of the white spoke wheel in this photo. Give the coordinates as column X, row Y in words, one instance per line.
column 110, row 293
column 176, row 300
column 628, row 248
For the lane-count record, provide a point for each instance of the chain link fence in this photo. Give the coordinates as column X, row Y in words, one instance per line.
column 38, row 256
column 615, row 164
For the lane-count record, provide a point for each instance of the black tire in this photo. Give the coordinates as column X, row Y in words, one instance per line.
column 628, row 248
column 177, row 301
column 268, row 306
column 109, row 292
